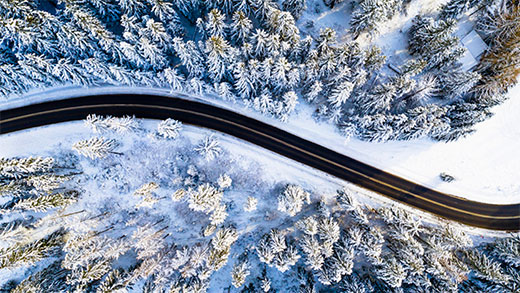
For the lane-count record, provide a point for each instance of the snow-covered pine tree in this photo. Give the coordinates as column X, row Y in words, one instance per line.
column 219, row 215
column 169, row 128
column 374, row 59
column 209, row 148
column 341, row 93
column 295, row 7
column 287, row 258
column 292, row 199
column 240, row 27
column 206, row 198
column 215, row 23
column 100, row 124
column 328, row 230
column 282, row 23
column 239, row 273
column 51, row 277
column 313, row 252
column 378, row 99
column 190, row 56
column 391, row 272
column 243, row 82
column 455, row 8
column 314, row 91
column 507, row 250
column 371, row 13
column 96, row 147
column 28, row 254
column 262, row 8
column 426, row 88
column 499, row 66
column 250, row 204
column 484, row 267
column 455, row 84
column 224, row 238
column 218, row 57
column 45, row 202
column 434, row 42
column 18, row 168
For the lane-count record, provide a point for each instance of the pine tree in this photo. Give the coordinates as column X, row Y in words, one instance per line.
column 378, row 99
column 313, row 91
column 206, row 198
column 18, row 168
column 218, row 215
column 96, row 147
column 313, row 253
column 308, row 225
column 391, row 272
column 295, row 7
column 44, row 202
column 485, row 268
column 371, row 13
column 434, row 42
column 215, row 25
column 499, row 66
column 100, row 124
column 224, row 238
column 239, row 273
column 209, row 148
column 508, row 250
column 240, row 27
column 262, row 8
column 243, row 82
column 454, row 8
column 260, row 39
column 341, row 93
column 28, row 254
column 292, row 199
column 328, row 230
column 169, row 128
column 456, row 84
column 224, row 181
column 251, row 204
column 282, row 23
column 219, row 55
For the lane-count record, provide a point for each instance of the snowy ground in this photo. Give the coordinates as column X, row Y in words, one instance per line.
column 272, row 168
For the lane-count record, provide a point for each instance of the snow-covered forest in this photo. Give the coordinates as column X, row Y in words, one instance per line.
column 141, row 206
column 255, row 53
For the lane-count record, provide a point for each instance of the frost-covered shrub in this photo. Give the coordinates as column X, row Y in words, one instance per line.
column 250, row 204
column 292, row 199
column 169, row 128
column 209, row 148
column 96, row 147
column 205, row 199
column 100, row 124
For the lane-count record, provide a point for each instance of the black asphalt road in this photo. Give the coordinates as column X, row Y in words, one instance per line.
column 490, row 216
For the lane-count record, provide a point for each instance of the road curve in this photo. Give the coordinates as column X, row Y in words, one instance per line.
column 483, row 215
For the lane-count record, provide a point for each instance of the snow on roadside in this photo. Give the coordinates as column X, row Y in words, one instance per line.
column 484, row 164
column 272, row 168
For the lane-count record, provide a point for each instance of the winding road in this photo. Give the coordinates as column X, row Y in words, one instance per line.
column 484, row 215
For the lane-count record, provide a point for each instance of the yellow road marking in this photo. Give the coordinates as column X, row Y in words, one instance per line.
column 268, row 136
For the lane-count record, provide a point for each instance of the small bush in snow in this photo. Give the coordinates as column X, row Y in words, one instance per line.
column 96, row 147
column 292, row 199
column 169, row 128
column 209, row 148
column 250, row 204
